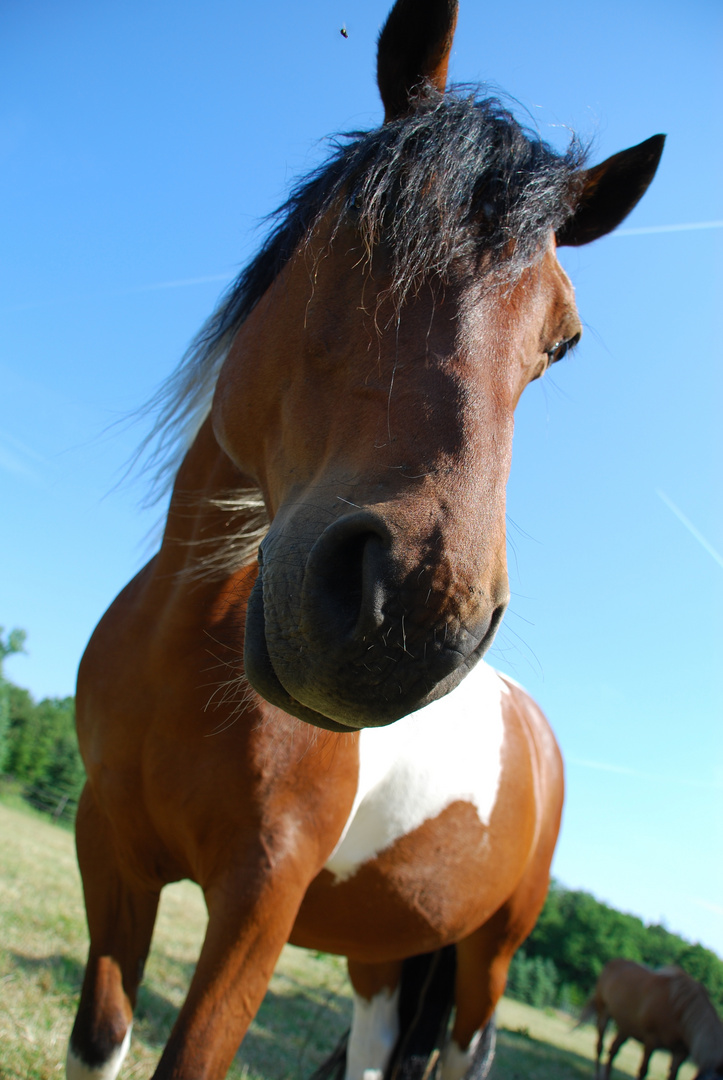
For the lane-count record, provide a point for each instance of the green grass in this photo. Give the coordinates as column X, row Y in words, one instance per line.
column 43, row 943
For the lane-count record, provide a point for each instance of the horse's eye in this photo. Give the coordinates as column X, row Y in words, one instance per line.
column 559, row 349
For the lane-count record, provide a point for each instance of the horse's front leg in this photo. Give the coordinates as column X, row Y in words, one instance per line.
column 251, row 907
column 676, row 1060
column 120, row 924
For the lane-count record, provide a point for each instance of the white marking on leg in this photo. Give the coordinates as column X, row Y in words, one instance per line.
column 75, row 1069
column 374, row 1031
column 454, row 1061
column 449, row 751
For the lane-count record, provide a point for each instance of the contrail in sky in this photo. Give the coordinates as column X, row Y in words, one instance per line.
column 181, row 283
column 715, row 908
column 625, row 770
column 175, row 284
column 131, row 290
column 603, row 766
column 690, row 527
column 688, row 226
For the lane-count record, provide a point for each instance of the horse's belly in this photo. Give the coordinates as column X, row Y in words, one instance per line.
column 417, row 864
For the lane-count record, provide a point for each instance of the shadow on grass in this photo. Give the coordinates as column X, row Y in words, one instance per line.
column 294, row 1031
column 520, row 1057
column 297, row 1027
column 62, row 976
column 59, row 974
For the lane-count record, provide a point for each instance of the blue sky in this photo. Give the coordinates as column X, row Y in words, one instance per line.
column 141, row 146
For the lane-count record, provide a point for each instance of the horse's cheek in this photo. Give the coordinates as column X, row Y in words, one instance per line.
column 244, row 420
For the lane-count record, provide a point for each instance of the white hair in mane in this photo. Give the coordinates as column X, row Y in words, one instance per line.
column 182, row 403
column 246, row 523
column 179, row 407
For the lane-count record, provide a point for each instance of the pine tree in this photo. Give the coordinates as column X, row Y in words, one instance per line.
column 15, row 643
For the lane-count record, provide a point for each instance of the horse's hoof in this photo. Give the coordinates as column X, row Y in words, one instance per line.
column 484, row 1054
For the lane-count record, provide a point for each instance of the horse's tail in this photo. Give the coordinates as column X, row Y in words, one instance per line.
column 589, row 1012
column 426, row 996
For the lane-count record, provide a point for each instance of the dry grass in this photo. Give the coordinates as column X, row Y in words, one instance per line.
column 43, row 944
column 535, row 1044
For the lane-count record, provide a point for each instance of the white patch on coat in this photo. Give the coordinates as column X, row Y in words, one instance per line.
column 374, row 1031
column 455, row 1062
column 410, row 771
column 75, row 1069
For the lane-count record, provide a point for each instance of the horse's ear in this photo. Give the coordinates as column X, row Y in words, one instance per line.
column 609, row 191
column 414, row 47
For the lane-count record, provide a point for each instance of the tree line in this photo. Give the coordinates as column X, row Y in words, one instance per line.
column 559, row 963
column 38, row 745
column 575, row 937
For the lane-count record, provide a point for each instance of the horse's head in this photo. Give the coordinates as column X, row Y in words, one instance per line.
column 370, row 393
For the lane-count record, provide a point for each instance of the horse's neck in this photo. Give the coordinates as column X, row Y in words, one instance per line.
column 215, row 519
column 704, row 1036
column 702, row 1028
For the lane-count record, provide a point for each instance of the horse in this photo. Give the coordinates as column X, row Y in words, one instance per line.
column 664, row 1010
column 288, row 704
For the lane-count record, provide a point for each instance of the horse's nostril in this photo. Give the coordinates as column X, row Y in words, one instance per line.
column 495, row 621
column 352, row 585
column 344, row 579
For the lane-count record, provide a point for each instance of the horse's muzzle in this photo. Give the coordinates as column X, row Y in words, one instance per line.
column 371, row 637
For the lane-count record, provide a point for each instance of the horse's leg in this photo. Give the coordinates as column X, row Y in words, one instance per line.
column 483, row 960
column 614, row 1047
column 251, row 908
column 676, row 1060
column 480, row 982
column 647, row 1054
column 375, row 1019
column 120, row 924
column 603, row 1019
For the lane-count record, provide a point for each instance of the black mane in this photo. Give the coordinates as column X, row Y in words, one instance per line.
column 458, row 176
column 456, row 179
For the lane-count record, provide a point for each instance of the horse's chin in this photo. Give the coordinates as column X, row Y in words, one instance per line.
column 261, row 674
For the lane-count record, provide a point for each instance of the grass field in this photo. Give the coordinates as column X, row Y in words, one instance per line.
column 42, row 952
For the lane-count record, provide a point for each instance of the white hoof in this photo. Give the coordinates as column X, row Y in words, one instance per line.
column 75, row 1069
column 454, row 1061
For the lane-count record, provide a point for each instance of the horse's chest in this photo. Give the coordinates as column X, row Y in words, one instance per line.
column 412, row 771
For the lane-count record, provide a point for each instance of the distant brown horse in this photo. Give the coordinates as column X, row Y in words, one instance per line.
column 351, row 405
column 664, row 1010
